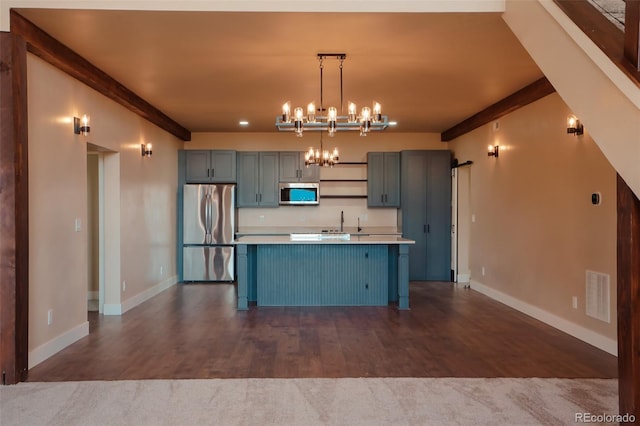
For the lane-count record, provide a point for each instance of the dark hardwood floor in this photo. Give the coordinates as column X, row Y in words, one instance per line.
column 194, row 331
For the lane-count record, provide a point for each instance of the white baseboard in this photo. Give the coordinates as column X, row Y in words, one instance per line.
column 57, row 344
column 132, row 302
column 599, row 341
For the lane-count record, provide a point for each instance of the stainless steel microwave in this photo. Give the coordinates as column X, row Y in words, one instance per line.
column 298, row 193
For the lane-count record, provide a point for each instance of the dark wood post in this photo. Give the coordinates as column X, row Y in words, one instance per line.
column 628, row 300
column 632, row 32
column 14, row 210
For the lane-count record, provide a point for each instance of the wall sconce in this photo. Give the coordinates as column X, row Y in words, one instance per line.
column 494, row 151
column 574, row 126
column 81, row 126
column 145, row 150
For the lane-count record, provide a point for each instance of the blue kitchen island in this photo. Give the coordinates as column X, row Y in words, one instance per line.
column 301, row 270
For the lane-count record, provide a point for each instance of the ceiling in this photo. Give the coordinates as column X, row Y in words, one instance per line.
column 209, row 70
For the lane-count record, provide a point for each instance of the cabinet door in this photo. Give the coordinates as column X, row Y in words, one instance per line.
column 414, row 210
column 269, row 170
column 198, row 166
column 439, row 216
column 392, row 179
column 223, row 166
column 247, row 168
column 289, row 166
column 375, row 179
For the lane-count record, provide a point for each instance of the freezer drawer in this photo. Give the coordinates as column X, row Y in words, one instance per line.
column 208, row 263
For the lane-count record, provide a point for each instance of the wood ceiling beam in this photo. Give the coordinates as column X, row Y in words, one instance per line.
column 531, row 93
column 57, row 54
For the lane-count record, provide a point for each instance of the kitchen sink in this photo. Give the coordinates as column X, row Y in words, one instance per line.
column 319, row 237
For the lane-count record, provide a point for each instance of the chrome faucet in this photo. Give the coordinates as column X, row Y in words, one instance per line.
column 342, row 221
column 359, row 227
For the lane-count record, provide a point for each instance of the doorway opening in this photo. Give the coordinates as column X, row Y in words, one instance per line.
column 103, row 217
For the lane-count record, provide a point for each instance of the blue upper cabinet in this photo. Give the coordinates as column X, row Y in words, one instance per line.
column 292, row 168
column 257, row 179
column 205, row 166
column 383, row 179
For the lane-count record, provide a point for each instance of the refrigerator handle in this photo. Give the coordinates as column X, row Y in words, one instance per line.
column 207, row 218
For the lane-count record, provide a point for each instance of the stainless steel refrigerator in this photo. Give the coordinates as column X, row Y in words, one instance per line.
column 208, row 231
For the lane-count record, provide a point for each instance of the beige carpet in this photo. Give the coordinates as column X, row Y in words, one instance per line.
column 364, row 401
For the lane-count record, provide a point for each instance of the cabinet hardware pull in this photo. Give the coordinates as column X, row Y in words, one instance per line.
column 213, row 172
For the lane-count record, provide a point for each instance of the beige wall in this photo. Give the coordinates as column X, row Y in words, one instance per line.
column 58, row 197
column 536, row 231
column 352, row 148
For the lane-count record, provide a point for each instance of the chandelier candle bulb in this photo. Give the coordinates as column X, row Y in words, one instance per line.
column 286, row 112
column 365, row 121
column 377, row 112
column 351, row 118
column 297, row 114
column 311, row 113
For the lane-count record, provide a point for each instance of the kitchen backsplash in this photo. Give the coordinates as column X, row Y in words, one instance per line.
column 327, row 214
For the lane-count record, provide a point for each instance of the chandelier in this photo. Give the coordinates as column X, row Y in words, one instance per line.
column 369, row 119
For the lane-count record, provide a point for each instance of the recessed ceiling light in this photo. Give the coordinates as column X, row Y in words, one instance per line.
column 243, row 123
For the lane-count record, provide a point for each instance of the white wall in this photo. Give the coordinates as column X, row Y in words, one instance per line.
column 535, row 231
column 146, row 187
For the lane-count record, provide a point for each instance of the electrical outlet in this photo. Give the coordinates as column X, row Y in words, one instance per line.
column 161, row 270
column 483, row 271
column 78, row 225
column 574, row 302
column 124, row 286
column 50, row 317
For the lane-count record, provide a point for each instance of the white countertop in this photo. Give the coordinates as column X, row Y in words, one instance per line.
column 286, row 230
column 354, row 239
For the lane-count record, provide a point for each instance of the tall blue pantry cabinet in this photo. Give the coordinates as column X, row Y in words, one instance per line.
column 425, row 212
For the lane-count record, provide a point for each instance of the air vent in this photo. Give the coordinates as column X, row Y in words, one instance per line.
column 597, row 296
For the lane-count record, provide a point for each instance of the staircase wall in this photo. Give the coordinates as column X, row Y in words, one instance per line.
column 599, row 94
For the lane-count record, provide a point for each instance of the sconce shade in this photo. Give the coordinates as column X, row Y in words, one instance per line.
column 145, row 150
column 574, row 126
column 494, row 151
column 81, row 126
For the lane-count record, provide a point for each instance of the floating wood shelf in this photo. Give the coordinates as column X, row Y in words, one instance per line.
column 343, row 180
column 343, row 196
column 352, row 163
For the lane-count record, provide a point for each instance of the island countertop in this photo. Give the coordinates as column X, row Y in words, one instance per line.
column 354, row 239
column 286, row 230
